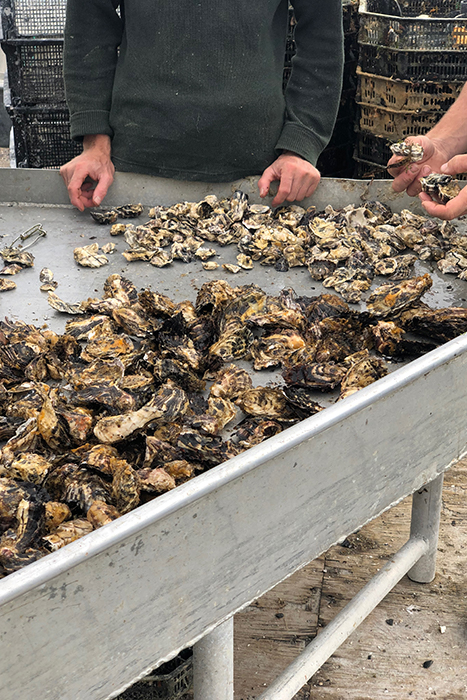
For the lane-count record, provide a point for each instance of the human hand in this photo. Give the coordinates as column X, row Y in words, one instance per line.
column 407, row 177
column 455, row 207
column 89, row 175
column 297, row 178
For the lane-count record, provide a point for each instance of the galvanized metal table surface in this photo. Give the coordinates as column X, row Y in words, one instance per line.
column 85, row 622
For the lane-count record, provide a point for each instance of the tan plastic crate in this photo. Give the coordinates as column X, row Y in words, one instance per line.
column 394, row 124
column 406, row 95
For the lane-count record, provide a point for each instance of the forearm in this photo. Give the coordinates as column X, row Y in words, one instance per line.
column 452, row 127
column 93, row 33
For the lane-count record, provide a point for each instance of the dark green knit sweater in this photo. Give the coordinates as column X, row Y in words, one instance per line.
column 192, row 89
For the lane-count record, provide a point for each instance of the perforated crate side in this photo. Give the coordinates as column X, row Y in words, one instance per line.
column 350, row 16
column 373, row 149
column 405, row 95
column 414, row 8
column 366, row 170
column 42, row 137
column 395, row 124
column 412, row 33
column 35, row 72
column 443, row 66
column 164, row 685
column 337, row 161
column 32, row 18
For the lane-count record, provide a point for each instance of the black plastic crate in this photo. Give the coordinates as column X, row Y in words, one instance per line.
column 440, row 66
column 42, row 137
column 373, row 149
column 32, row 18
column 171, row 681
column 414, row 8
column 366, row 170
column 337, row 161
column 343, row 131
column 35, row 72
column 412, row 33
column 350, row 16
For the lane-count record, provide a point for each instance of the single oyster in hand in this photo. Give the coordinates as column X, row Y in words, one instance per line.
column 441, row 188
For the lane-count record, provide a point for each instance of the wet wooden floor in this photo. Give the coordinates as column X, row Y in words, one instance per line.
column 413, row 645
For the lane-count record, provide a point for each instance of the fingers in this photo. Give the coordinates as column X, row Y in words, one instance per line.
column 454, row 208
column 87, row 178
column 409, row 179
column 286, row 189
column 265, row 180
column 101, row 188
column 456, row 165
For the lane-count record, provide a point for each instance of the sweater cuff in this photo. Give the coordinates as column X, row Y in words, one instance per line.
column 92, row 122
column 300, row 140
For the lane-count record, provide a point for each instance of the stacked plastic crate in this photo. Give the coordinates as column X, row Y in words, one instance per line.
column 336, row 160
column 412, row 66
column 32, row 40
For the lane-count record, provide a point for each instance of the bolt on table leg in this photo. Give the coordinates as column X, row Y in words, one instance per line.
column 213, row 664
column 426, row 509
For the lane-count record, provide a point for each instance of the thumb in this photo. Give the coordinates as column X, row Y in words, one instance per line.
column 456, row 165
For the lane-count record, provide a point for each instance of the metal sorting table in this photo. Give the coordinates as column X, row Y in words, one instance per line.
column 87, row 621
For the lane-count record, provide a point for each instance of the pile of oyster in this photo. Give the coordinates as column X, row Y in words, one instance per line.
column 345, row 249
column 141, row 393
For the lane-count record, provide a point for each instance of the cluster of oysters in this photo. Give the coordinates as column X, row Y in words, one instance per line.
column 141, row 393
column 345, row 248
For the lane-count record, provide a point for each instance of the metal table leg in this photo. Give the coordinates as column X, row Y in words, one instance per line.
column 426, row 509
column 213, row 664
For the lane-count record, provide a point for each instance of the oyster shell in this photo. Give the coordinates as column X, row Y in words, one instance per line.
column 56, row 303
column 324, row 377
column 364, row 370
column 253, row 431
column 88, row 256
column 231, row 268
column 101, row 513
column 68, row 532
column 129, row 211
column 167, row 404
column 410, row 152
column 7, row 285
column 265, row 403
column 233, row 344
column 11, row 269
column 441, row 188
column 231, row 382
column 156, row 480
column 105, row 217
column 394, row 298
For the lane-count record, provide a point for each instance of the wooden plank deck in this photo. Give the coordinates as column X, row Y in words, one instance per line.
column 386, row 658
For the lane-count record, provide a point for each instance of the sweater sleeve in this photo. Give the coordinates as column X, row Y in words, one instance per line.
column 93, row 33
column 314, row 88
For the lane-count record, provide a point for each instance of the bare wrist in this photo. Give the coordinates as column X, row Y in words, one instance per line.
column 97, row 142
